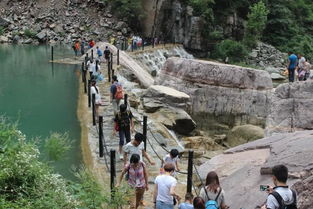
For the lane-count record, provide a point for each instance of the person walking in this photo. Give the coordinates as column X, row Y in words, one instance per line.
column 198, row 203
column 99, row 53
column 82, row 47
column 213, row 191
column 123, row 125
column 107, row 53
column 92, row 68
column 115, row 97
column 164, row 190
column 136, row 146
column 291, row 66
column 137, row 178
column 280, row 195
column 94, row 89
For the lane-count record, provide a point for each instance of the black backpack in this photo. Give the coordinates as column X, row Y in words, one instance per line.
column 281, row 202
column 123, row 119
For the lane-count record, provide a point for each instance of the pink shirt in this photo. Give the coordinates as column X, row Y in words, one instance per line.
column 136, row 175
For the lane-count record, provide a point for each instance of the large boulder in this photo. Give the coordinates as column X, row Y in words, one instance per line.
column 227, row 94
column 291, row 108
column 243, row 134
column 243, row 168
column 167, row 95
column 176, row 119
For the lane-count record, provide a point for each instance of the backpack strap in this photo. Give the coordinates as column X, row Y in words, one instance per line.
column 294, row 195
column 218, row 194
column 279, row 199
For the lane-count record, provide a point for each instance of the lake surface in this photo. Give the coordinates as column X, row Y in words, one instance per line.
column 41, row 96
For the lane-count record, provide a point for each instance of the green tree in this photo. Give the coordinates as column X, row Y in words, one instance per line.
column 257, row 18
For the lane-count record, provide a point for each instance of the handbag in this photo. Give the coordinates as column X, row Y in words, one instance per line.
column 116, row 127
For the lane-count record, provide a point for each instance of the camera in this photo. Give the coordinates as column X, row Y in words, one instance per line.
column 263, row 187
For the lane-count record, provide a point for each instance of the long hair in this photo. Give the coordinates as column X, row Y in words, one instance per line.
column 212, row 181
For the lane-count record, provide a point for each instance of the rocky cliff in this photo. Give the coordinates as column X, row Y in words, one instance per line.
column 222, row 96
column 53, row 21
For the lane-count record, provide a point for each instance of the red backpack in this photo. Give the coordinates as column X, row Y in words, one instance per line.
column 119, row 92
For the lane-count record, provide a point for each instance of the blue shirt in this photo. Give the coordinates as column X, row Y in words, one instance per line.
column 185, row 205
column 293, row 61
column 99, row 52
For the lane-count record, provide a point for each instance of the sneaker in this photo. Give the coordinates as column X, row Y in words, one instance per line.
column 121, row 157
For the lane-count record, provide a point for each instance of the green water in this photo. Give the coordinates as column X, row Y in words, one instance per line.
column 41, row 96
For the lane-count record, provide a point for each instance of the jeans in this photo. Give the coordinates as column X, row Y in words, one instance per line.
column 124, row 133
column 162, row 205
column 291, row 74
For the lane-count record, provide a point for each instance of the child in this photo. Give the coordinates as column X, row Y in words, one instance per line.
column 188, row 202
column 171, row 158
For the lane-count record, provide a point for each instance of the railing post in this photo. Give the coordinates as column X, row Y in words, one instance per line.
column 125, row 99
column 109, row 70
column 118, row 57
column 93, row 99
column 132, row 45
column 153, row 42
column 83, row 66
column 112, row 73
column 111, row 58
column 52, row 53
column 112, row 171
column 144, row 131
column 89, row 99
column 101, row 136
column 85, row 82
column 92, row 54
column 190, row 167
column 143, row 44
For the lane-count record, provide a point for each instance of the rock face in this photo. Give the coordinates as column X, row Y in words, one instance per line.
column 291, row 108
column 245, row 164
column 243, row 134
column 227, row 94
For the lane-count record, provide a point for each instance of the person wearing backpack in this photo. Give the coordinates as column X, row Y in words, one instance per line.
column 137, row 177
column 116, row 94
column 124, row 125
column 107, row 53
column 212, row 194
column 280, row 197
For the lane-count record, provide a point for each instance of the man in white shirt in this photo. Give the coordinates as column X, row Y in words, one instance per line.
column 136, row 146
column 280, row 195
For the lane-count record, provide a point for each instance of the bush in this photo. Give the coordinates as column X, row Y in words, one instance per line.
column 233, row 50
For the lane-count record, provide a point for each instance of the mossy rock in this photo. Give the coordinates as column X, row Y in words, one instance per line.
column 243, row 134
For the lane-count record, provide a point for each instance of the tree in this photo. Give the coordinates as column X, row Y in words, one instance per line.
column 257, row 19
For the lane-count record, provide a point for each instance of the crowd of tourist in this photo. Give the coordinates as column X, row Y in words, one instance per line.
column 165, row 195
column 298, row 67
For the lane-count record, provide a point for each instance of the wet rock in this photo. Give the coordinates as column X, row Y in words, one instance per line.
column 243, row 134
column 27, row 41
column 16, row 39
column 175, row 119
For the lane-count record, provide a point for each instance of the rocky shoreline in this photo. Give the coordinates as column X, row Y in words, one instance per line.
column 35, row 22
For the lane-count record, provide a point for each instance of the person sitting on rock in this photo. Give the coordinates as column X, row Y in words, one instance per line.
column 213, row 191
column 280, row 196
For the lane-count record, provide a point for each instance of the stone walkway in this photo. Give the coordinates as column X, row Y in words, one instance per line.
column 155, row 151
